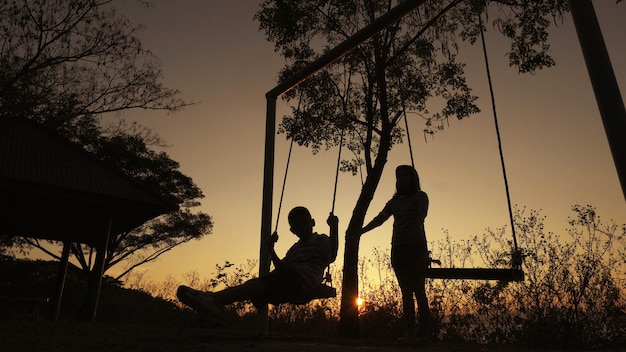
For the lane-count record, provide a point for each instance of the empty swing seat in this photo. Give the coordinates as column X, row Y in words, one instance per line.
column 501, row 274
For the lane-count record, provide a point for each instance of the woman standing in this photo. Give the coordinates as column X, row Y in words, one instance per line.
column 409, row 250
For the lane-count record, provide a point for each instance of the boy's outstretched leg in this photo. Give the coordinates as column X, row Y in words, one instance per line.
column 200, row 301
column 254, row 290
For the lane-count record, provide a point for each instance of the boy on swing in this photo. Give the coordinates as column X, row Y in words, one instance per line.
column 302, row 268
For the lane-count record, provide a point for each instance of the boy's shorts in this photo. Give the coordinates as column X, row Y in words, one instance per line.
column 282, row 282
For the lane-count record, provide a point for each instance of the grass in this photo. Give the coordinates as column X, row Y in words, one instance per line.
column 117, row 337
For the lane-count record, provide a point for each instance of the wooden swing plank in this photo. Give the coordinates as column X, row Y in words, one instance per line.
column 476, row 274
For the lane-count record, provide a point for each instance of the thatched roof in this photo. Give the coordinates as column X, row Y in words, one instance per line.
column 51, row 188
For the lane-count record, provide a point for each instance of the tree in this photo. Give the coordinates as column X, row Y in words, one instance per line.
column 409, row 68
column 68, row 63
column 80, row 53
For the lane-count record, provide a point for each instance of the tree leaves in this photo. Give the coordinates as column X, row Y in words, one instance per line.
column 81, row 50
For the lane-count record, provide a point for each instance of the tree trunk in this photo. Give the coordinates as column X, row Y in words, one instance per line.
column 349, row 312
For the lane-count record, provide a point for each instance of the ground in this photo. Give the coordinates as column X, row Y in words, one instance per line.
column 74, row 337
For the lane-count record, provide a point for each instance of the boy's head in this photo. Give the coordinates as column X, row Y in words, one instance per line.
column 300, row 221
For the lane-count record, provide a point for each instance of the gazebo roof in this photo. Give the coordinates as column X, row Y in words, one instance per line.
column 53, row 189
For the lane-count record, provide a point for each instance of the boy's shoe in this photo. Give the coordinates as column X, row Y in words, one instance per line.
column 198, row 300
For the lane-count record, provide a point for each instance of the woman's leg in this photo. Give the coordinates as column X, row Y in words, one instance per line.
column 410, row 273
column 405, row 281
column 423, row 311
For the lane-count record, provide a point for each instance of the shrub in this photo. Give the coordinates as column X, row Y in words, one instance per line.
column 573, row 294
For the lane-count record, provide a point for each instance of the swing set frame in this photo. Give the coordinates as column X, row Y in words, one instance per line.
column 602, row 77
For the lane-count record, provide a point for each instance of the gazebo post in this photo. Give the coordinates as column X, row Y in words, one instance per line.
column 90, row 307
column 55, row 305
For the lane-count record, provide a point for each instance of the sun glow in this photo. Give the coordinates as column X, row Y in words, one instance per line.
column 360, row 301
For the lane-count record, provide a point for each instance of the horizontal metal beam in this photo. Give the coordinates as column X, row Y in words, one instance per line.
column 340, row 50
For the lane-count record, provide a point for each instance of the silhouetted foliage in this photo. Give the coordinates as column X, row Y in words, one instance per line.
column 573, row 294
column 78, row 57
column 37, row 280
column 66, row 64
column 562, row 303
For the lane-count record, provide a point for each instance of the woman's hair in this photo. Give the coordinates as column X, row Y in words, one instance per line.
column 415, row 184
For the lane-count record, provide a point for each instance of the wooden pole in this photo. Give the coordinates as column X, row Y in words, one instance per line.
column 604, row 83
column 55, row 305
column 94, row 284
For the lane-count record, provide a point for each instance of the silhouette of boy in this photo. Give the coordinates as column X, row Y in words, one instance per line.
column 302, row 268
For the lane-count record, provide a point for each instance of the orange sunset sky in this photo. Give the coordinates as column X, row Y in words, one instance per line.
column 554, row 144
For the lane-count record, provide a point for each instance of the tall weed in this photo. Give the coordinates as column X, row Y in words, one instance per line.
column 573, row 294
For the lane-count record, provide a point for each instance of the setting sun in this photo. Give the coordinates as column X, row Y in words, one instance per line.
column 360, row 301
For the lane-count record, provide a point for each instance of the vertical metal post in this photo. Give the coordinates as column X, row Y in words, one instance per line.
column 608, row 96
column 266, row 210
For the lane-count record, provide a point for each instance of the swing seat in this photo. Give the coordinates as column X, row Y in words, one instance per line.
column 500, row 274
column 317, row 292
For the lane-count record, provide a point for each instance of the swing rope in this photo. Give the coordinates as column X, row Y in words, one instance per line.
column 517, row 259
column 516, row 255
column 337, row 170
column 327, row 276
column 282, row 192
column 408, row 135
